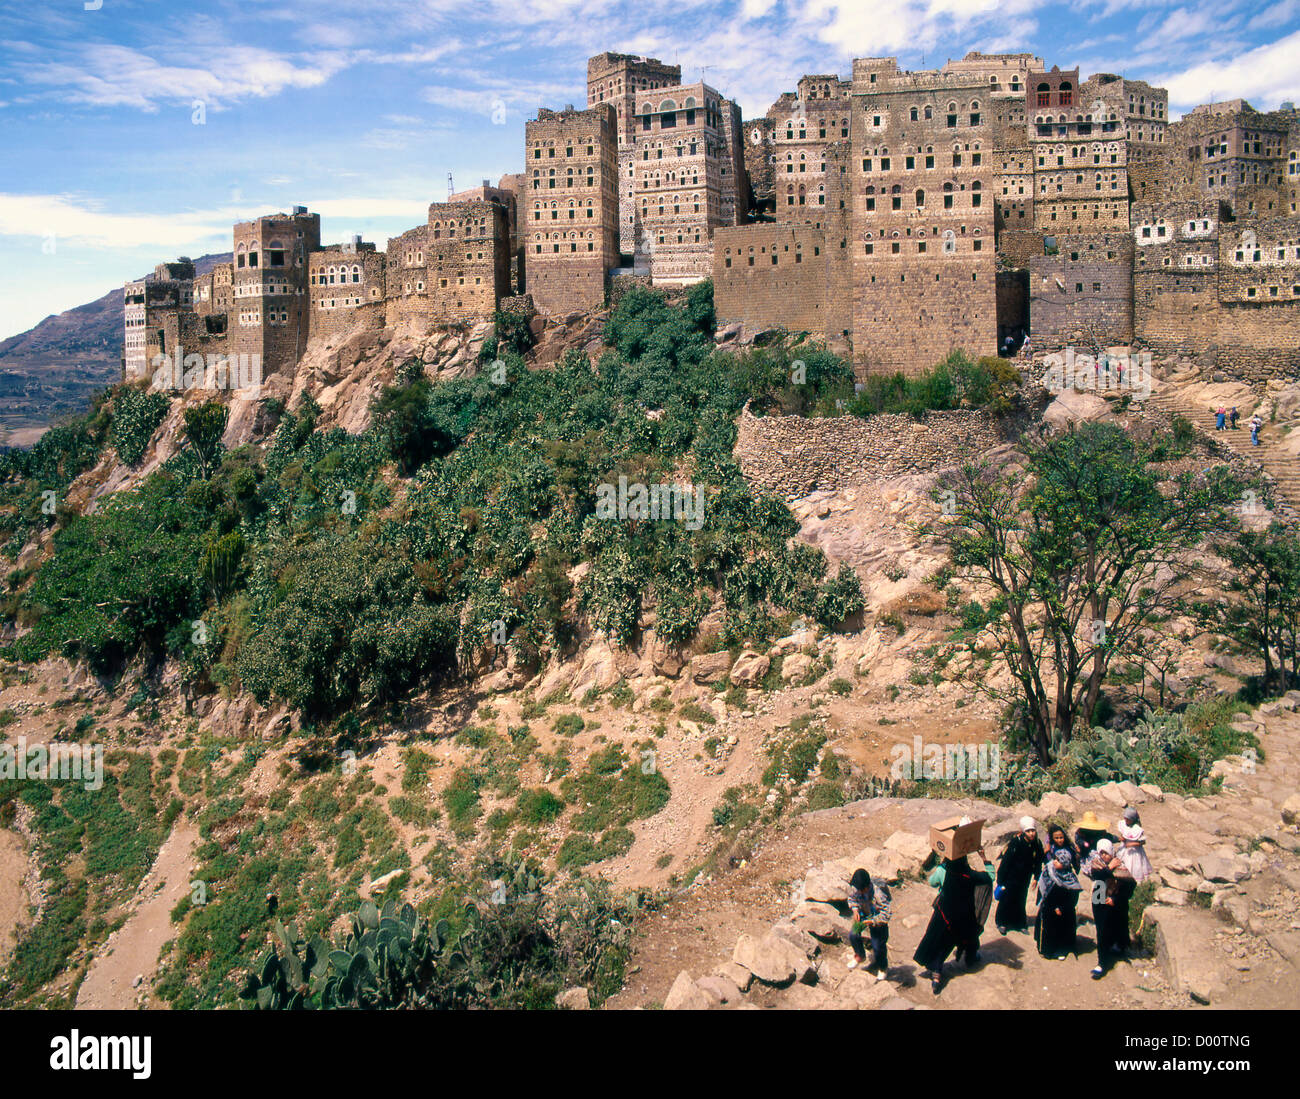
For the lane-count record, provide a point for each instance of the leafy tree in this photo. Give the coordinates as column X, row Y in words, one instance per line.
column 136, row 416
column 204, row 427
column 1078, row 552
column 1264, row 611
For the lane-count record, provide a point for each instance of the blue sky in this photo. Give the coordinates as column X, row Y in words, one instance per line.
column 359, row 109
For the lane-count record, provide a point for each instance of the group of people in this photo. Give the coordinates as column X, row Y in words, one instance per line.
column 1115, row 863
column 1225, row 418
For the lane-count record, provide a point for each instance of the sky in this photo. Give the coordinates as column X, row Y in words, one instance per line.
column 134, row 131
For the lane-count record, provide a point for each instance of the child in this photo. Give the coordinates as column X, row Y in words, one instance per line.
column 869, row 902
column 1132, row 850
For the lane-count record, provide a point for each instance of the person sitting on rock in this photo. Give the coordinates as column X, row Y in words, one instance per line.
column 1020, row 864
column 958, row 918
column 869, row 902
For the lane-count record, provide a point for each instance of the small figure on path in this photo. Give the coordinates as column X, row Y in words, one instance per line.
column 959, row 912
column 1132, row 846
column 870, row 902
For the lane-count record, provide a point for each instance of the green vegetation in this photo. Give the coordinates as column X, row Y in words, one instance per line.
column 314, row 590
column 1078, row 556
column 957, row 382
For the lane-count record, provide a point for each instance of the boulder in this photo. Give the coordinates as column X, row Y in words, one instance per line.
column 1232, row 907
column 708, row 668
column 822, row 921
column 737, row 975
column 1055, row 805
column 749, row 669
column 773, row 960
column 797, row 937
column 863, row 990
column 1166, row 895
column 720, row 989
column 818, row 885
column 888, row 866
column 1221, row 868
column 1153, row 792
column 803, row 997
column 1291, row 810
column 574, row 999
column 686, row 995
column 1182, row 936
column 909, row 845
column 795, row 668
column 665, row 659
column 1111, row 792
column 1185, row 881
column 1073, row 407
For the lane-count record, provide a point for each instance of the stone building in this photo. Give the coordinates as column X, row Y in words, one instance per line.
column 270, row 303
column 923, row 245
column 1081, row 291
column 147, row 305
column 347, row 288
column 681, row 164
column 571, row 207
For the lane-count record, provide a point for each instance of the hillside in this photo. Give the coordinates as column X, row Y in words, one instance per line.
column 51, row 370
column 368, row 636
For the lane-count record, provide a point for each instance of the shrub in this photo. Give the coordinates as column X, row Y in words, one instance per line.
column 136, row 416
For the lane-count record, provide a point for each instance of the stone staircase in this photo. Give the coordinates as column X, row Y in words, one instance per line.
column 1279, row 467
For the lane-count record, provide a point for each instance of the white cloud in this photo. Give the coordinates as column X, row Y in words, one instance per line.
column 116, row 76
column 1263, row 75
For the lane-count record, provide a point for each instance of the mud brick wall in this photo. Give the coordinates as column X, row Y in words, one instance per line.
column 347, row 290
column 570, row 209
column 468, row 259
column 1084, row 293
column 791, row 456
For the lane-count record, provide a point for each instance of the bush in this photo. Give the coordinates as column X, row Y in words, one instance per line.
column 136, row 416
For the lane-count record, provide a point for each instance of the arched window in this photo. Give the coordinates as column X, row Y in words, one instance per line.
column 920, row 198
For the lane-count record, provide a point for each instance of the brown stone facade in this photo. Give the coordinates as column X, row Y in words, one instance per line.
column 571, row 207
column 270, row 303
column 347, row 287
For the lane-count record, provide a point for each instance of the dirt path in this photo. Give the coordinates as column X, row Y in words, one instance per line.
column 13, row 894
column 132, row 950
column 698, row 931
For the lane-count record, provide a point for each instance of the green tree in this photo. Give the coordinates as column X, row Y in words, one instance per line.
column 1263, row 610
column 1078, row 552
column 204, row 427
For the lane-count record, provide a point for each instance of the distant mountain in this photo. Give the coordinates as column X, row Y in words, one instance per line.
column 52, row 371
column 92, row 331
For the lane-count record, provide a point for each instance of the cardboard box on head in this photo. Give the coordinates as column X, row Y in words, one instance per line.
column 950, row 839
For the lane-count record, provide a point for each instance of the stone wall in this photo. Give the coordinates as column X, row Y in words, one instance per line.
column 792, row 456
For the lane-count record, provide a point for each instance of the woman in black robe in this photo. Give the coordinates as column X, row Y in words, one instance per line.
column 1112, row 887
column 1058, row 894
column 1021, row 863
column 956, row 922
